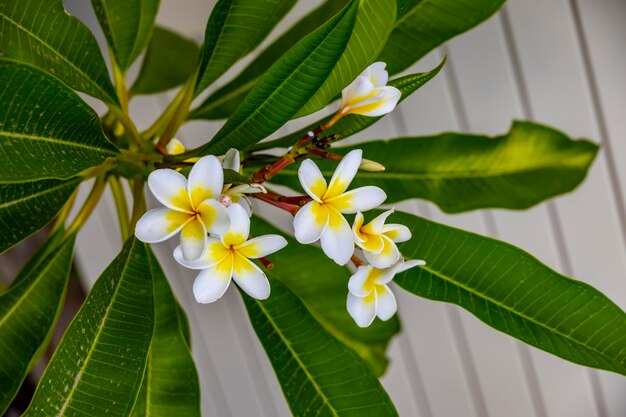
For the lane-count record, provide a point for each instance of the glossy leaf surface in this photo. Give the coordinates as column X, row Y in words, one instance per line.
column 28, row 312
column 286, row 86
column 46, row 130
column 170, row 386
column 127, row 25
column 98, row 367
column 513, row 292
column 26, row 208
column 157, row 71
column 461, row 172
column 43, row 34
column 235, row 28
column 322, row 286
column 318, row 374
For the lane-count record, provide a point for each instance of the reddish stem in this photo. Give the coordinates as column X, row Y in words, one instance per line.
column 325, row 155
column 266, row 263
column 269, row 198
column 357, row 261
column 296, row 200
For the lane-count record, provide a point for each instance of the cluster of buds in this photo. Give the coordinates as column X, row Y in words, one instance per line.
column 213, row 218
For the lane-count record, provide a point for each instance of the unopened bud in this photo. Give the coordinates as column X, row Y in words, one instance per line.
column 367, row 165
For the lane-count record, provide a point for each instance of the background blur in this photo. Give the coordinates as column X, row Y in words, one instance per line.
column 559, row 62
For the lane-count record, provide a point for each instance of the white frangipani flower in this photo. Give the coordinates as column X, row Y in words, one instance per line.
column 190, row 205
column 237, row 193
column 369, row 94
column 229, row 257
column 322, row 218
column 370, row 296
column 377, row 239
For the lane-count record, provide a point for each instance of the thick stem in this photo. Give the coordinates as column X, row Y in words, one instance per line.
column 325, row 155
column 161, row 123
column 295, row 200
column 121, row 206
column 270, row 198
column 89, row 205
column 268, row 171
column 357, row 261
column 180, row 114
column 65, row 211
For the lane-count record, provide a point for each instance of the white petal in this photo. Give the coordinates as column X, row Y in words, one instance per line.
column 213, row 253
column 231, row 160
column 211, row 284
column 383, row 102
column 261, row 246
column 357, row 90
column 386, row 305
column 336, row 240
column 214, row 216
column 239, row 229
column 206, row 180
column 356, row 284
column 376, row 226
column 170, row 188
column 387, row 257
column 250, row 278
column 175, row 147
column 397, row 232
column 359, row 199
column 378, row 75
column 344, row 174
column 403, row 265
column 160, row 224
column 362, row 310
column 193, row 239
column 310, row 221
column 312, row 180
column 356, row 228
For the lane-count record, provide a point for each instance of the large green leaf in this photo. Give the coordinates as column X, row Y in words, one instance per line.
column 169, row 61
column 374, row 22
column 235, row 28
column 127, row 25
column 461, row 172
column 27, row 207
column 424, row 25
column 318, row 374
column 46, row 130
column 28, row 311
column 170, row 386
column 286, row 86
column 98, row 367
column 43, row 34
column 515, row 293
column 222, row 103
column 353, row 123
column 322, row 287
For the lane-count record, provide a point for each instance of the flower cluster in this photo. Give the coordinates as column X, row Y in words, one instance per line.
column 213, row 219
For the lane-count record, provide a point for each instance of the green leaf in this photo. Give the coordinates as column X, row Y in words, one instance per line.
column 353, row 123
column 28, row 312
column 235, row 28
column 286, row 86
column 424, row 25
column 46, row 130
column 170, row 386
column 43, row 34
column 461, row 172
column 52, row 242
column 98, row 367
column 222, row 103
column 127, row 25
column 318, row 374
column 322, row 286
column 26, row 208
column 374, row 22
column 514, row 293
column 233, row 177
column 157, row 72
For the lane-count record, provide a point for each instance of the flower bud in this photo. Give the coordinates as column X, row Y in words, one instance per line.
column 373, row 166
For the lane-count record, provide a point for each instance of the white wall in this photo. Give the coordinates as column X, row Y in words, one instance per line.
column 555, row 61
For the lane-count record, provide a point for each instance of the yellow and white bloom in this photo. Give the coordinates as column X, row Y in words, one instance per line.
column 191, row 206
column 176, row 147
column 369, row 94
column 237, row 193
column 229, row 257
column 322, row 219
column 369, row 294
column 378, row 240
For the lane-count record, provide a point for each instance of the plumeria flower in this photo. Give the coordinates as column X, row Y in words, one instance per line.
column 369, row 94
column 370, row 296
column 229, row 257
column 237, row 193
column 322, row 219
column 176, row 147
column 378, row 240
column 190, row 205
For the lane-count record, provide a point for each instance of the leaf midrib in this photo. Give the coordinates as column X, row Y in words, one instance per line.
column 297, row 359
column 55, row 140
column 36, row 195
column 520, row 314
column 57, row 53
